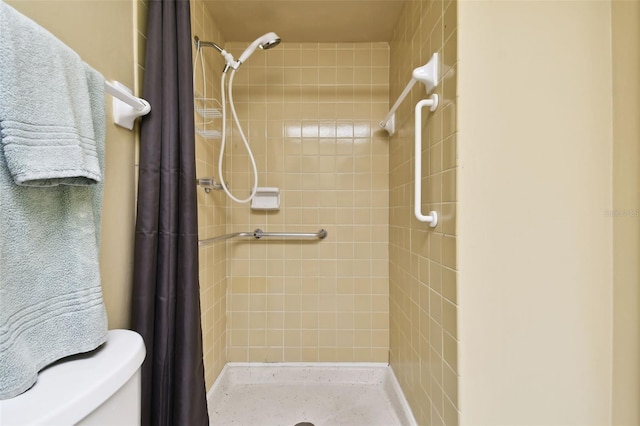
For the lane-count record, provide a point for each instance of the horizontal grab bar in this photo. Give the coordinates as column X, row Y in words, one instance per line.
column 259, row 233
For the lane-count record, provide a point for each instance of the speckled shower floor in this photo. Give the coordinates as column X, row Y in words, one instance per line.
column 322, row 394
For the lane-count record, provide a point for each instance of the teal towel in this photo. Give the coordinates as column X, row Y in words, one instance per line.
column 50, row 295
column 45, row 112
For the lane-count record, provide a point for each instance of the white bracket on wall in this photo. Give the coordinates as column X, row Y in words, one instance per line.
column 429, row 75
column 126, row 107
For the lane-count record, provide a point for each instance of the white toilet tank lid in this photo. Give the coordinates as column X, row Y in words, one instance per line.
column 69, row 390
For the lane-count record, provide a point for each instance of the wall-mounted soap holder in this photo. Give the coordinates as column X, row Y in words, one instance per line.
column 266, row 199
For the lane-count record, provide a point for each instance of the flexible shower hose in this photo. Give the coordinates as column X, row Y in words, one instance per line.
column 244, row 139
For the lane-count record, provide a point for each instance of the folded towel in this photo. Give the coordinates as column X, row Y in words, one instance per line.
column 45, row 116
column 50, row 296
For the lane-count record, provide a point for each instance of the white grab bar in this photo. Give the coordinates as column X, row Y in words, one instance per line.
column 432, row 218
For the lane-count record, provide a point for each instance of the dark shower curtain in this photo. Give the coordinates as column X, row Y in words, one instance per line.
column 166, row 296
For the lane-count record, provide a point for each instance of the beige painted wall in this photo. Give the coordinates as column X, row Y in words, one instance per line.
column 82, row 25
column 535, row 183
column 423, row 270
column 625, row 213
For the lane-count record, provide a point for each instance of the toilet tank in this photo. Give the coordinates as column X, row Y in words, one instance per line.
column 101, row 387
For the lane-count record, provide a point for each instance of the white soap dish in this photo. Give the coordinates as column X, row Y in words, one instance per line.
column 267, row 198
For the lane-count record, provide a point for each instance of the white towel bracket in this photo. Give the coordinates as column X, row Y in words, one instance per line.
column 126, row 107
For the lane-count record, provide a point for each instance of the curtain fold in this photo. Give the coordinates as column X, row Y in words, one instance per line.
column 166, row 294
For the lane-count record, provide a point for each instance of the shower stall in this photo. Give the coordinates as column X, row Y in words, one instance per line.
column 363, row 294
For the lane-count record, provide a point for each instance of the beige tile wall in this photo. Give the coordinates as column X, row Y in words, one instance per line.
column 211, row 206
column 422, row 272
column 311, row 113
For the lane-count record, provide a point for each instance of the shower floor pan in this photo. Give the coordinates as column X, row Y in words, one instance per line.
column 320, row 394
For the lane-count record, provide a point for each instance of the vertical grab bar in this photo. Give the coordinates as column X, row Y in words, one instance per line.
column 432, row 218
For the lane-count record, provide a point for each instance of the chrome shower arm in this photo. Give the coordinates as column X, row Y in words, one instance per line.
column 230, row 61
column 200, row 43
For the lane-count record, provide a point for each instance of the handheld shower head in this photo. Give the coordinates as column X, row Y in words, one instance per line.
column 267, row 41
